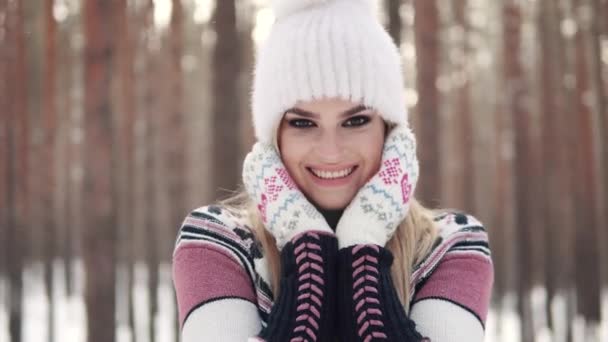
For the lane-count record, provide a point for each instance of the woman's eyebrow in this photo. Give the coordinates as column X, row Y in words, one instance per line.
column 346, row 113
column 354, row 110
column 302, row 112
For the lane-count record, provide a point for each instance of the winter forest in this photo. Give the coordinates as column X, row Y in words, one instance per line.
column 118, row 117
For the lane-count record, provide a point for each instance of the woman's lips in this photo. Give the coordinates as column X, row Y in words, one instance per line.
column 332, row 181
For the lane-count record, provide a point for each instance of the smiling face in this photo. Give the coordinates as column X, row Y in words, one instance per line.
column 331, row 148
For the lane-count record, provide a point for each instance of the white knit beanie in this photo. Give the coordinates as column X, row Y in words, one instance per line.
column 322, row 49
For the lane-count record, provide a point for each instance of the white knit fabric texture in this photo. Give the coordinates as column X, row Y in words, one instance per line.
column 442, row 321
column 230, row 319
column 384, row 201
column 285, row 211
column 324, row 49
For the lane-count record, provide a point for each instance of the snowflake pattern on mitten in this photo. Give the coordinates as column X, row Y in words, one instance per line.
column 383, row 202
column 285, row 211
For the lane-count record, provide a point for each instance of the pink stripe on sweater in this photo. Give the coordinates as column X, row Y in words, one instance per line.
column 464, row 279
column 440, row 252
column 203, row 272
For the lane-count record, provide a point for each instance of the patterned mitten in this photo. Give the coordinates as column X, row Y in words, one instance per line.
column 383, row 202
column 305, row 309
column 284, row 209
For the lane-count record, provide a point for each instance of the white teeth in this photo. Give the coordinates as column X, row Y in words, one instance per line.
column 332, row 175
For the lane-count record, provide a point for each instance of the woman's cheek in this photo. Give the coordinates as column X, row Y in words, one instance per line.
column 367, row 142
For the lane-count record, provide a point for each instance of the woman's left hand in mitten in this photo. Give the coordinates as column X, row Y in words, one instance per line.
column 383, row 202
column 368, row 306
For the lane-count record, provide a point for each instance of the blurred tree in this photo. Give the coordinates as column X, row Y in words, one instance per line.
column 18, row 154
column 585, row 181
column 526, row 164
column 599, row 70
column 550, row 60
column 6, row 164
column 154, row 211
column 395, row 25
column 5, row 144
column 66, row 67
column 246, row 23
column 34, row 28
column 100, row 208
column 125, row 100
column 73, row 68
column 462, row 113
column 48, row 156
column 504, row 188
column 226, row 107
column 567, row 270
column 426, row 27
column 175, row 135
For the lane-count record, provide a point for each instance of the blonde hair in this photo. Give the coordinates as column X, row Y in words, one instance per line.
column 412, row 241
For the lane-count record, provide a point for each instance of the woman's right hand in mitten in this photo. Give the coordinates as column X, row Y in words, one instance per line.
column 304, row 309
column 283, row 208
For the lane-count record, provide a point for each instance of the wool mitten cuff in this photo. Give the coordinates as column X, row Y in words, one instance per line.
column 368, row 306
column 305, row 308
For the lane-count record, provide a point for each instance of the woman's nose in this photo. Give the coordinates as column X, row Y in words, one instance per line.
column 329, row 147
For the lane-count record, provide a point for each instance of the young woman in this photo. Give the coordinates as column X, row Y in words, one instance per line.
column 326, row 242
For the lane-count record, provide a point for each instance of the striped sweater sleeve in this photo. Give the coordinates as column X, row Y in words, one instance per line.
column 212, row 275
column 453, row 293
column 451, row 300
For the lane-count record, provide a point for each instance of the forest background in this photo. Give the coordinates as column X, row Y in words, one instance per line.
column 117, row 117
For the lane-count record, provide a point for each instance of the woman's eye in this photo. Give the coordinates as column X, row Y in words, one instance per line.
column 357, row 121
column 301, row 123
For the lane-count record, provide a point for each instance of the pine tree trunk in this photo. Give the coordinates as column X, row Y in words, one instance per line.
column 175, row 152
column 247, row 60
column 527, row 166
column 465, row 177
column 154, row 183
column 7, row 158
column 35, row 55
column 18, row 153
column 504, row 194
column 4, row 146
column 225, row 110
column 587, row 272
column 563, row 238
column 549, row 73
column 63, row 136
column 125, row 99
column 49, row 119
column 504, row 191
column 426, row 30
column 395, row 26
column 601, row 104
column 75, row 153
column 100, row 210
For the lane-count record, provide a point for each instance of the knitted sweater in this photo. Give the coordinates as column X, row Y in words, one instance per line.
column 222, row 278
